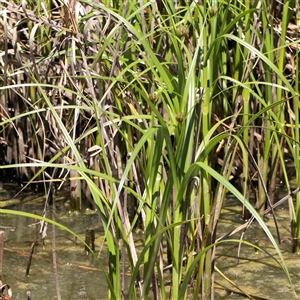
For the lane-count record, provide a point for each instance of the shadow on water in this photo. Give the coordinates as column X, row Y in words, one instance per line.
column 79, row 274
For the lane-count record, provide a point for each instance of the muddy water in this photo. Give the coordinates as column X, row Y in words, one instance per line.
column 79, row 274
column 256, row 273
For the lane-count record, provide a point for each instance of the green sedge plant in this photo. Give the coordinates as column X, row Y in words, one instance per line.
column 148, row 120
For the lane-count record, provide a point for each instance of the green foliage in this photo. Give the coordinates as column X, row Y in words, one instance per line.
column 153, row 105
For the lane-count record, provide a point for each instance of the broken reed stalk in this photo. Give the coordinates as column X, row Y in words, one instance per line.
column 89, row 239
column 1, row 252
column 30, row 258
column 28, row 295
column 35, row 243
column 54, row 259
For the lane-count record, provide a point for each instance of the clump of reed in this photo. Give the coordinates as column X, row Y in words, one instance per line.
column 150, row 110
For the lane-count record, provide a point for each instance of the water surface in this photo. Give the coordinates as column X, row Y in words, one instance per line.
column 257, row 273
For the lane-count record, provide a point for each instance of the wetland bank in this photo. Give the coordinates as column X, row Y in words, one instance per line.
column 151, row 114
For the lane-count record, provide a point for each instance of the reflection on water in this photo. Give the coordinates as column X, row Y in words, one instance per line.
column 80, row 276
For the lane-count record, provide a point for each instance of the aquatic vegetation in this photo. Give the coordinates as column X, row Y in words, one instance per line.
column 153, row 112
